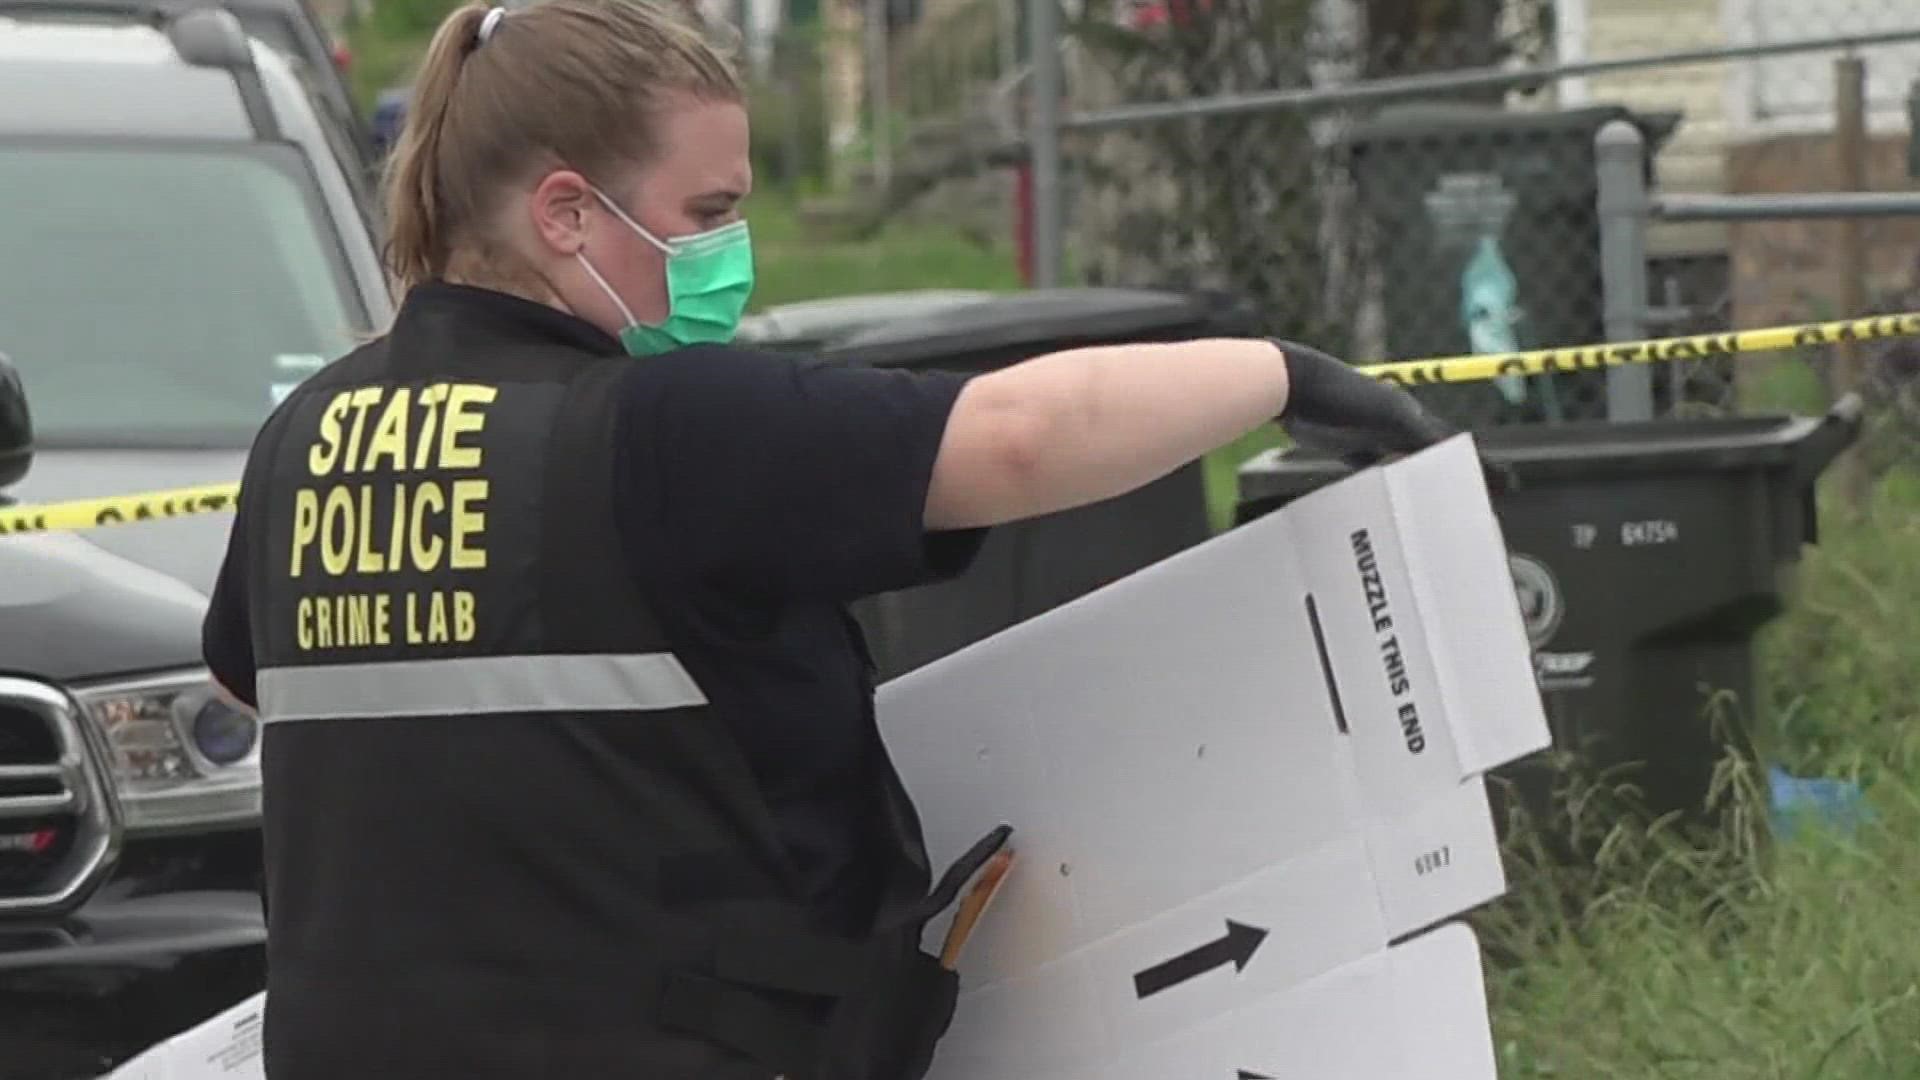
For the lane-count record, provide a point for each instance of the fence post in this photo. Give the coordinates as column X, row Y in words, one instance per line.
column 1620, row 157
column 1850, row 142
column 1006, row 34
column 1913, row 130
column 879, row 93
column 1043, row 139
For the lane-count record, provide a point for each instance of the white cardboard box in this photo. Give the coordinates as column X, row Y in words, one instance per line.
column 1224, row 874
column 1246, row 786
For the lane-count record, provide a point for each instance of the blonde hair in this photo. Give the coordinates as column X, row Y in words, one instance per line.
column 573, row 83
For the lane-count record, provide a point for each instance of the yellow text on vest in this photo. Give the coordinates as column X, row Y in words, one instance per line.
column 399, row 490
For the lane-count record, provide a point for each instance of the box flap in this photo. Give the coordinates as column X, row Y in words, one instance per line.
column 1457, row 564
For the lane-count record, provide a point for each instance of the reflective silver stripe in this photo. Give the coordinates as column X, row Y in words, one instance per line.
column 478, row 684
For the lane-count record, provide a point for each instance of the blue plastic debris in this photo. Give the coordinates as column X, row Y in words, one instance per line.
column 1839, row 805
column 1490, row 305
column 389, row 114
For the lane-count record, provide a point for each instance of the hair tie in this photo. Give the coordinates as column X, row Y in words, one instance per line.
column 489, row 24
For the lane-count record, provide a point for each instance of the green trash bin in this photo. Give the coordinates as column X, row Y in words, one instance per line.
column 1490, row 243
column 1645, row 557
column 1030, row 567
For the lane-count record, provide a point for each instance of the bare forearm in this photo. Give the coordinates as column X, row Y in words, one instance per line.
column 1144, row 411
column 1083, row 425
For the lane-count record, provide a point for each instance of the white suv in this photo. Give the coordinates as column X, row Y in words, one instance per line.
column 179, row 244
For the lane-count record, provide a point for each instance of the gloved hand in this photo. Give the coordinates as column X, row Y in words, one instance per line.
column 1334, row 409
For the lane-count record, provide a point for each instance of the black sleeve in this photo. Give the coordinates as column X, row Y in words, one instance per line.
column 226, row 635
column 808, row 479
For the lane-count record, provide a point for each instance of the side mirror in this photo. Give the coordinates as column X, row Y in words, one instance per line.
column 16, row 426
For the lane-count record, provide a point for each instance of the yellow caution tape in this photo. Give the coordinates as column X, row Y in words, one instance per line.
column 1458, row 369
column 119, row 509
column 214, row 498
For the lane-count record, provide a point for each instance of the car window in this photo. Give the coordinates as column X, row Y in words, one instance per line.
column 165, row 296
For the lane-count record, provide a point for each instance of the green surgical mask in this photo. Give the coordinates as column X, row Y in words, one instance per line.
column 709, row 277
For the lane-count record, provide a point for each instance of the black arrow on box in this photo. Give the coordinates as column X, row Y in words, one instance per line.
column 1236, row 948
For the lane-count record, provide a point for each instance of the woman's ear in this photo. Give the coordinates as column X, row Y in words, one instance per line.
column 559, row 211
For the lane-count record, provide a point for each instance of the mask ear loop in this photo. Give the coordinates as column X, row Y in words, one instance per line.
column 625, row 312
column 665, row 248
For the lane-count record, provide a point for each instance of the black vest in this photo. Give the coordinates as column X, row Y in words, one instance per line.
column 504, row 835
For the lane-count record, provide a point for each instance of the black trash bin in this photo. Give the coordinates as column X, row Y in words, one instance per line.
column 1034, row 566
column 1461, row 195
column 1645, row 558
column 820, row 324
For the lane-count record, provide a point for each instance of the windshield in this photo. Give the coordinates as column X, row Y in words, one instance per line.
column 165, row 294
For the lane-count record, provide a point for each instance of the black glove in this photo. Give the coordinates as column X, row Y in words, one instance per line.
column 1334, row 409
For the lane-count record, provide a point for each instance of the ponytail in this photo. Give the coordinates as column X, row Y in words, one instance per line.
column 417, row 230
column 577, row 83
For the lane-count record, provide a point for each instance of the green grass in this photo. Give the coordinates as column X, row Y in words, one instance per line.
column 388, row 43
column 792, row 265
column 381, row 62
column 1221, row 471
column 1731, row 957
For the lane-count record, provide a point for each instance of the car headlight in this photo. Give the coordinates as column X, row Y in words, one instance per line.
column 182, row 756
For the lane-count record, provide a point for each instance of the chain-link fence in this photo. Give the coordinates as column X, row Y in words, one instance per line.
column 1395, row 178
column 1400, row 178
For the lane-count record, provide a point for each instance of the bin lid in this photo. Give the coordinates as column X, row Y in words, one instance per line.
column 813, row 323
column 1036, row 319
column 1598, row 449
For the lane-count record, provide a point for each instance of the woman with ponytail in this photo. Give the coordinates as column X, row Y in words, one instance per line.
column 569, row 762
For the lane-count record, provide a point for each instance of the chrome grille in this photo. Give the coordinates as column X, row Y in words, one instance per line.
column 59, row 828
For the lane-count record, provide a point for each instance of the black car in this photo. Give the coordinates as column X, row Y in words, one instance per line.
column 130, row 870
